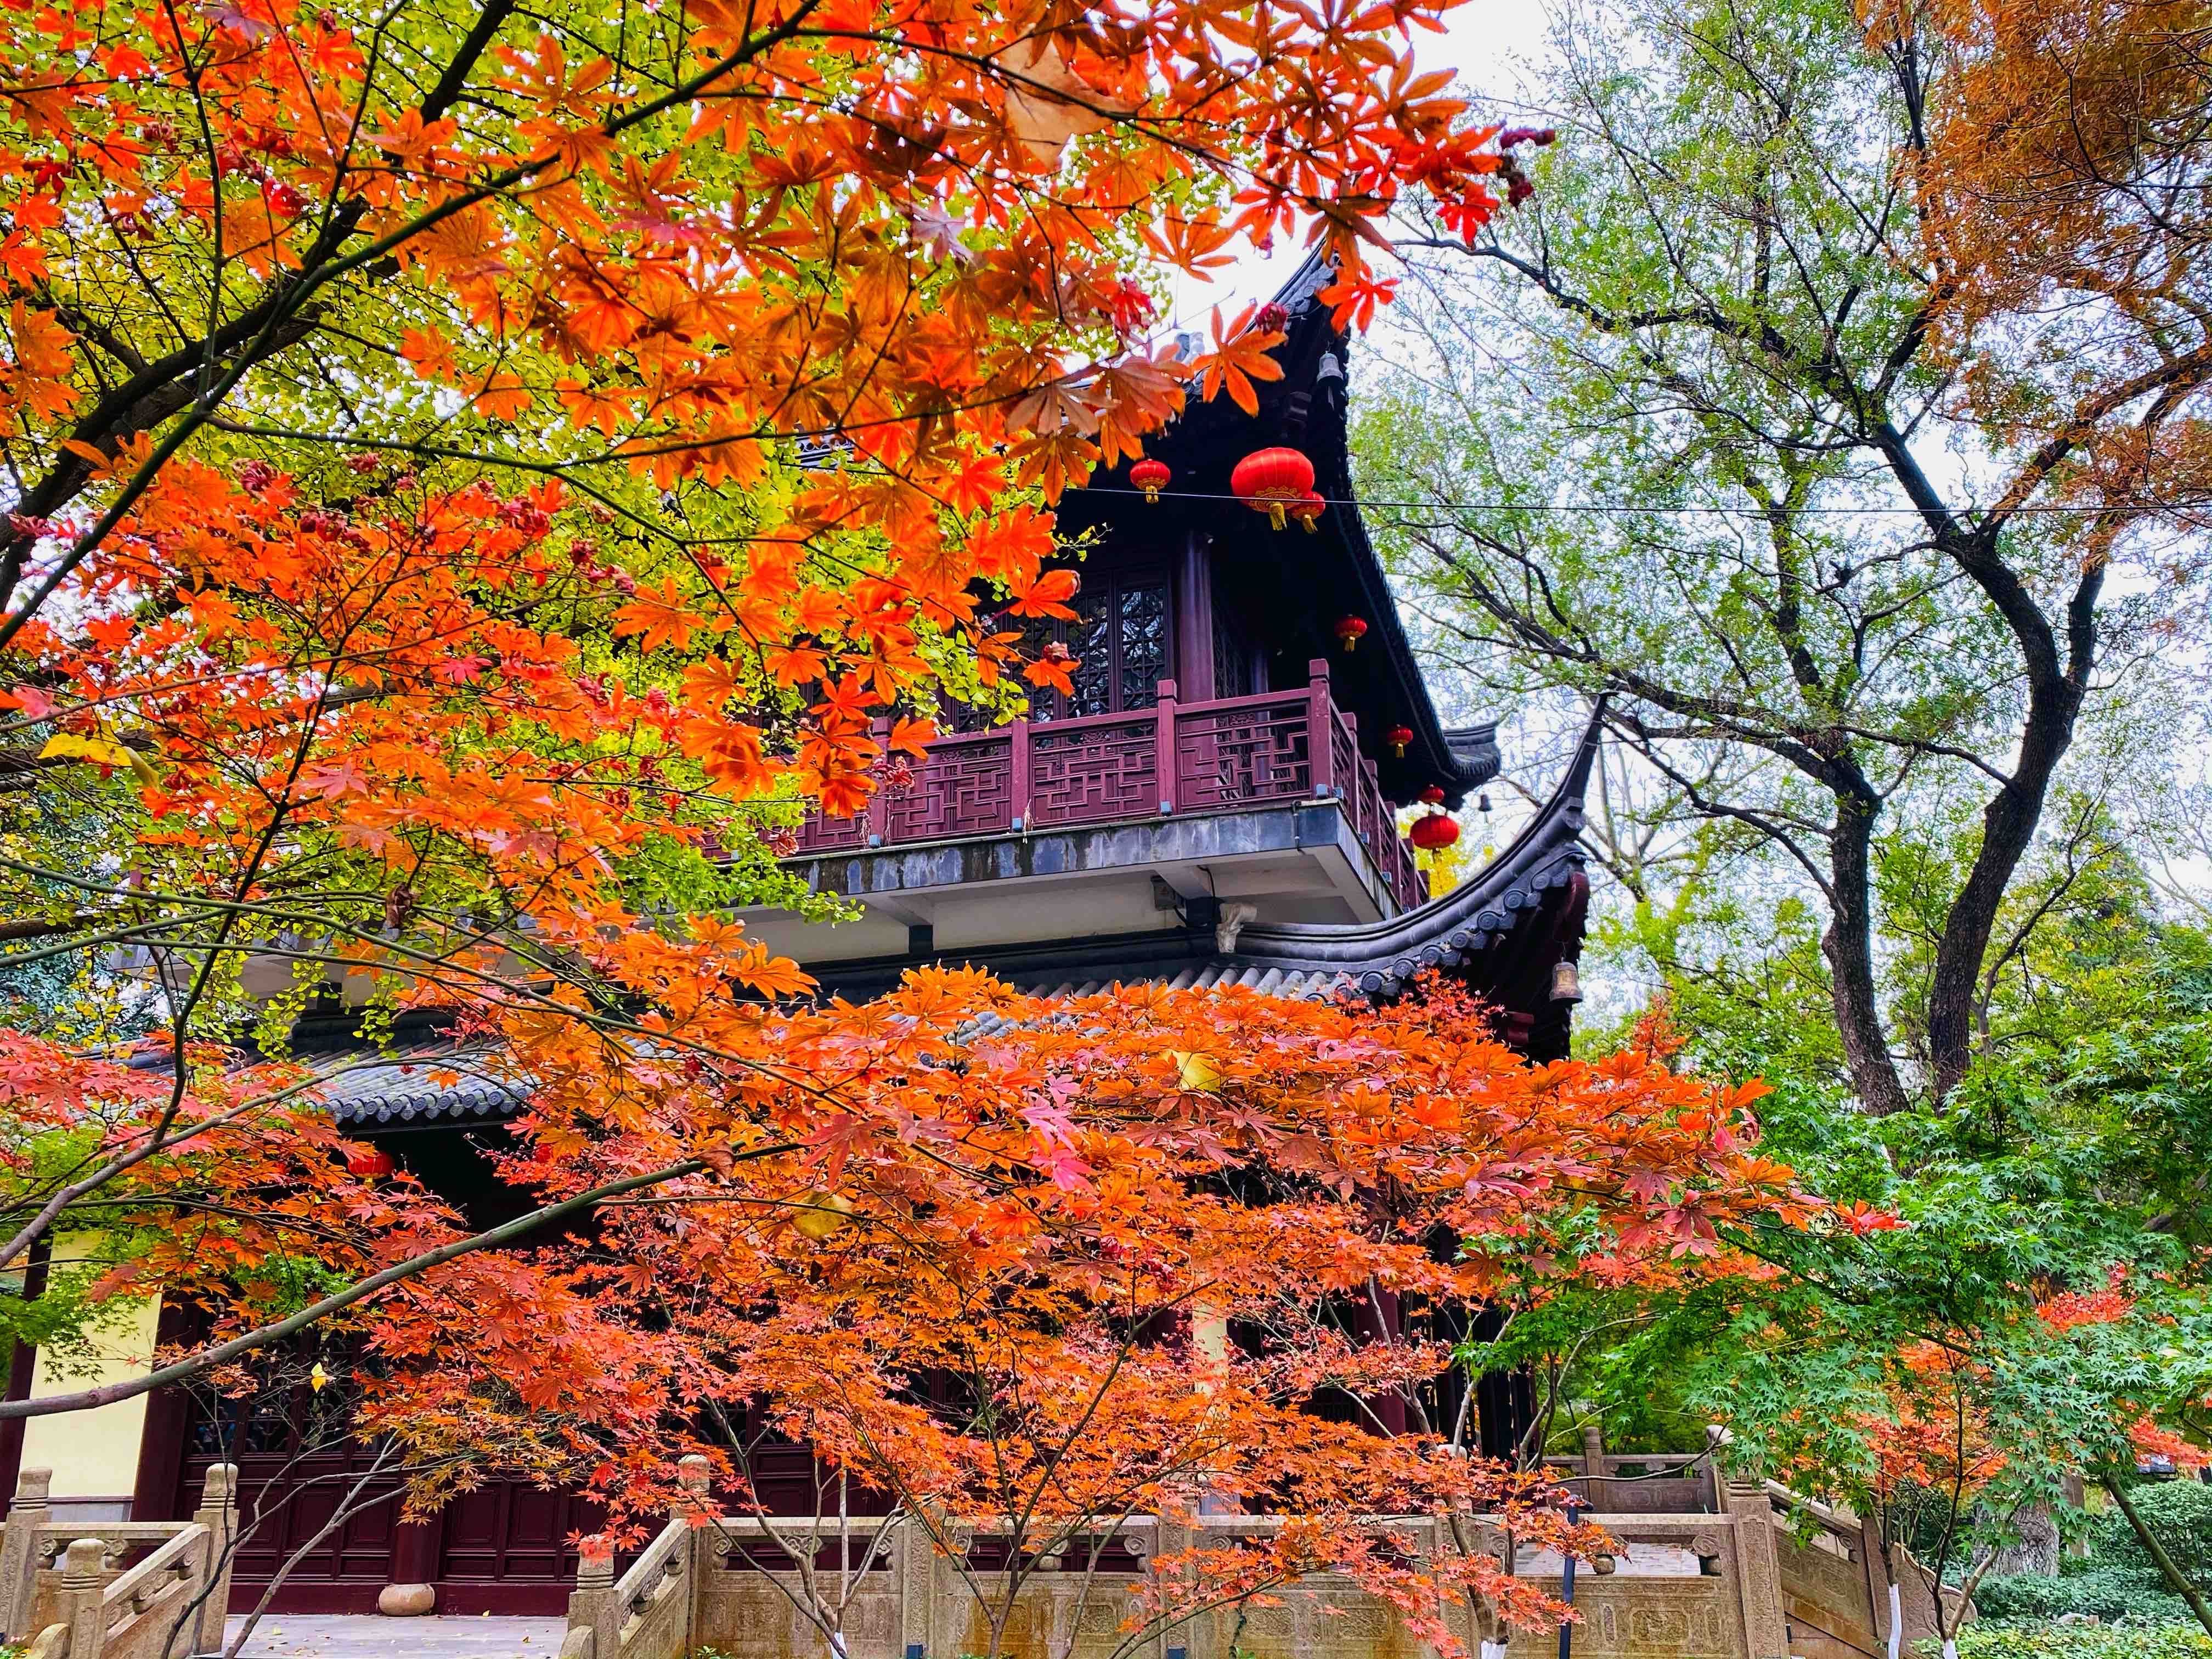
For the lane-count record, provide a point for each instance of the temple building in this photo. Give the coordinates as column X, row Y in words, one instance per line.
column 1218, row 801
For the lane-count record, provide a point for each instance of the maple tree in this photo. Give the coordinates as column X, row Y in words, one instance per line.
column 476, row 472
column 1946, row 1436
column 1068, row 1263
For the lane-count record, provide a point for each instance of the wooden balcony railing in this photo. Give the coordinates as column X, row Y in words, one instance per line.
column 1174, row 759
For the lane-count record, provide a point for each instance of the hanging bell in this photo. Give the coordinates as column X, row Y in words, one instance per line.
column 1566, row 983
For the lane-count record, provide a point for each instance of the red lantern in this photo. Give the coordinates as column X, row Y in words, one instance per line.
column 366, row 1162
column 1349, row 630
column 1151, row 476
column 1269, row 480
column 1433, row 830
column 1434, row 794
column 1308, row 509
column 1400, row 736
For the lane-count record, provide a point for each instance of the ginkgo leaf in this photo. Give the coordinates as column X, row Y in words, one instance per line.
column 101, row 753
column 821, row 1215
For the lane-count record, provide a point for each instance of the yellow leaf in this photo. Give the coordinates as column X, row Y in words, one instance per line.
column 1195, row 1074
column 67, row 746
column 821, row 1214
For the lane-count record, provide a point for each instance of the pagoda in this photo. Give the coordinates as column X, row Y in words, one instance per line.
column 1216, row 802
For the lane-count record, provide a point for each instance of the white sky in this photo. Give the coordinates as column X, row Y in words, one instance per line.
column 1493, row 45
column 1487, row 43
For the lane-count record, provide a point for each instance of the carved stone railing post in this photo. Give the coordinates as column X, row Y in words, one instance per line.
column 695, row 1478
column 1190, row 1640
column 695, row 1473
column 1596, row 1494
column 81, row 1608
column 218, row 1513
column 916, row 1559
column 18, row 1561
column 591, row 1603
column 1758, row 1570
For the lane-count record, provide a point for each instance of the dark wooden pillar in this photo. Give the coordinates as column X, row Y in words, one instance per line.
column 1380, row 1321
column 23, row 1367
column 1504, row 1400
column 1193, row 618
column 157, row 1491
column 1504, row 1407
column 418, row 1548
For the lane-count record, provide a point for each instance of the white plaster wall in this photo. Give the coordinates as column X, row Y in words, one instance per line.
column 94, row 1454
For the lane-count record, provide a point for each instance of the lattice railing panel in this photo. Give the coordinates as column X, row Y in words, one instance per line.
column 1093, row 772
column 1254, row 751
column 821, row 832
column 1367, row 814
column 1403, row 877
column 1345, row 764
column 965, row 788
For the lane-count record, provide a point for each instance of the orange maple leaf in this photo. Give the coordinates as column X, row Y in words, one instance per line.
column 661, row 616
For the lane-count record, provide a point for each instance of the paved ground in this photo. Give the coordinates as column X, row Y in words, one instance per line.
column 367, row 1636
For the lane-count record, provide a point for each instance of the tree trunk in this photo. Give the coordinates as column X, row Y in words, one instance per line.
column 2173, row 1575
column 2055, row 687
column 2008, row 826
column 1849, row 946
column 2037, row 1552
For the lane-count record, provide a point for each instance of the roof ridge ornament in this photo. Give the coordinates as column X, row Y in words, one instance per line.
column 1233, row 920
column 1318, row 271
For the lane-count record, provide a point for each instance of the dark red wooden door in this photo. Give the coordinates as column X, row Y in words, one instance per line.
column 315, row 1515
column 319, row 1520
column 506, row 1549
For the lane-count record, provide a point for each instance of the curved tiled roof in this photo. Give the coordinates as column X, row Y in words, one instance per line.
column 422, row 1083
column 1546, row 858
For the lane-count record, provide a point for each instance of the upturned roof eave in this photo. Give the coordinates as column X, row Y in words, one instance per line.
column 1382, row 956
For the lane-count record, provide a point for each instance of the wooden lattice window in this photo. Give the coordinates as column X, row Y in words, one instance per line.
column 1123, row 640
column 1239, row 670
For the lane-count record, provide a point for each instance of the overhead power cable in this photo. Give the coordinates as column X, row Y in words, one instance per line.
column 1366, row 504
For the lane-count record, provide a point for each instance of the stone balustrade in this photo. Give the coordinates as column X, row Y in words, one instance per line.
column 115, row 1590
column 1683, row 1586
